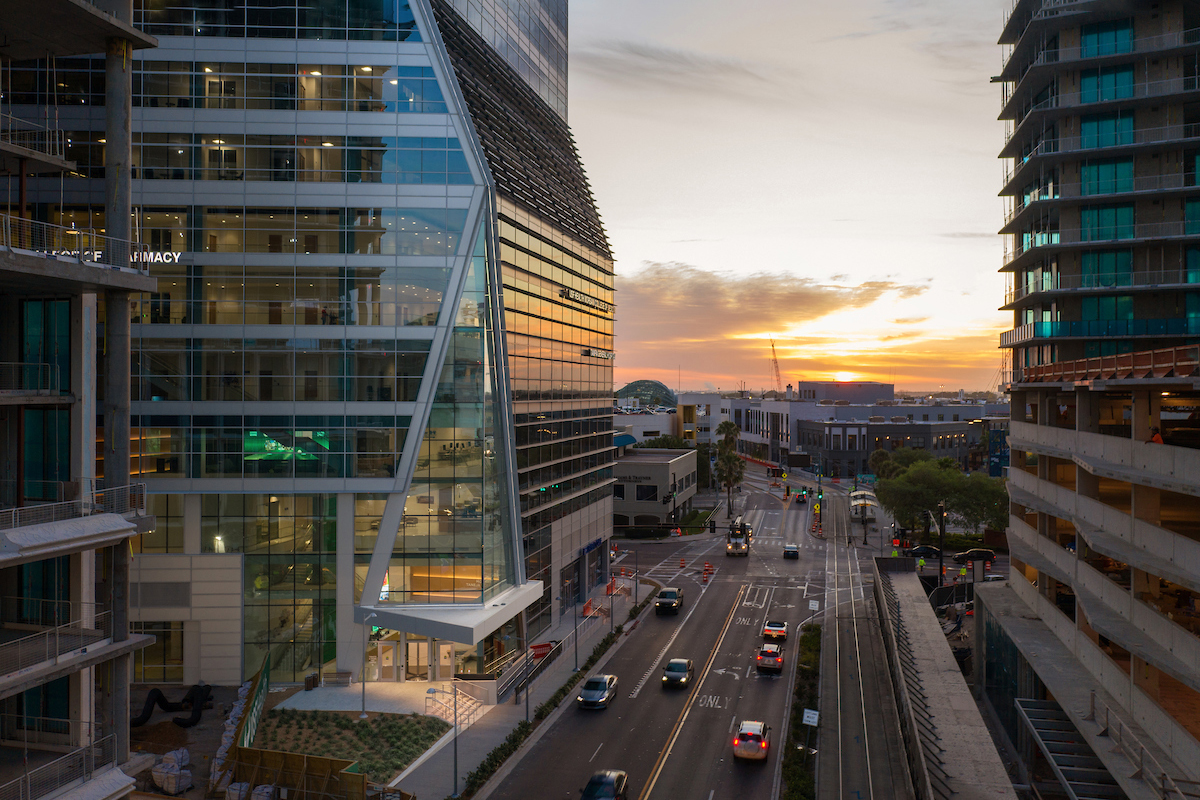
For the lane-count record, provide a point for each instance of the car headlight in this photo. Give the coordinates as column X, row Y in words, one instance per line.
column 664, row 677
column 683, row 679
column 580, row 698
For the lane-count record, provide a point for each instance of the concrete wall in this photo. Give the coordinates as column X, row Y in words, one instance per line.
column 204, row 592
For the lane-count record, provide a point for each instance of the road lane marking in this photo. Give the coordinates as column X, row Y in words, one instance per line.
column 687, row 708
column 593, row 758
column 671, row 641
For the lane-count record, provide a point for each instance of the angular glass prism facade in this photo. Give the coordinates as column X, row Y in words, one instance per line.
column 376, row 376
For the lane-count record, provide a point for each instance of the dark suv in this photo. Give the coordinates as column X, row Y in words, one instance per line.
column 975, row 554
column 669, row 599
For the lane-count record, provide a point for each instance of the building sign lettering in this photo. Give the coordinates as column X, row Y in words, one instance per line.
column 587, row 300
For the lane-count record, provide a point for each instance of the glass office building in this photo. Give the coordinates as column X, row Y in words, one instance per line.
column 376, row 376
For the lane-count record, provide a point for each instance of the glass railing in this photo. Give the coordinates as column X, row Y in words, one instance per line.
column 1100, row 234
column 1102, row 328
column 1072, row 144
column 1104, row 280
column 1069, row 191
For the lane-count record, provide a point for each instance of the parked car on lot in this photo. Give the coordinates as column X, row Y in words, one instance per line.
column 775, row 630
column 791, row 551
column 608, row 784
column 670, row 599
column 769, row 658
column 598, row 691
column 753, row 740
column 974, row 554
column 995, row 576
column 677, row 672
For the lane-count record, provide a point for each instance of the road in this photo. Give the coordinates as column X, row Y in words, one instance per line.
column 678, row 743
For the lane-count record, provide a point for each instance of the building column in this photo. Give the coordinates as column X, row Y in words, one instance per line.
column 82, row 383
column 116, row 389
column 1147, row 407
column 1087, row 410
column 351, row 647
column 120, row 632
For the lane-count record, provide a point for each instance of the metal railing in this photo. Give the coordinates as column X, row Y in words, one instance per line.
column 1106, row 280
column 16, row 376
column 1179, row 361
column 19, row 493
column 117, row 500
column 1100, row 190
column 46, row 730
column 78, row 765
column 1100, row 328
column 469, row 709
column 49, row 644
column 1100, row 233
column 1067, row 55
column 83, row 245
column 1072, row 144
column 1115, row 728
column 1136, row 91
column 45, row 612
column 47, row 141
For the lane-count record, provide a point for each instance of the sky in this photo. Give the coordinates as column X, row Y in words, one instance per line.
column 820, row 174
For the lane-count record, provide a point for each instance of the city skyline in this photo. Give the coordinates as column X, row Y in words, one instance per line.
column 838, row 258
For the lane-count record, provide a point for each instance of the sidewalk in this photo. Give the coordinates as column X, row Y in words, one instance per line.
column 432, row 777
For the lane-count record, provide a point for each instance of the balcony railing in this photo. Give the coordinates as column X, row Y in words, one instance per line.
column 1069, row 55
column 83, row 245
column 29, row 378
column 1107, row 280
column 47, row 141
column 1102, row 233
column 1047, row 10
column 1100, row 190
column 1100, row 328
column 1136, row 91
column 117, row 500
column 49, row 644
column 1177, row 361
column 1072, row 144
column 77, row 765
column 14, row 494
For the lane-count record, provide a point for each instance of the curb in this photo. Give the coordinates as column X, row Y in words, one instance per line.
column 511, row 762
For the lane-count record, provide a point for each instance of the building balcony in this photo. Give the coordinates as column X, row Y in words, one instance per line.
column 123, row 500
column 1168, row 362
column 35, row 632
column 31, row 148
column 1136, row 233
column 23, row 379
column 1042, row 197
column 1104, row 282
column 1100, row 329
column 37, row 254
column 1053, row 150
column 1026, row 14
column 38, row 773
column 1015, row 70
column 1152, row 90
column 51, row 28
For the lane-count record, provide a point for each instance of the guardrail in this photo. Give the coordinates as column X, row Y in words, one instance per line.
column 83, row 245
column 79, row 764
column 1115, row 728
column 17, row 376
column 47, row 141
column 48, row 645
column 117, row 500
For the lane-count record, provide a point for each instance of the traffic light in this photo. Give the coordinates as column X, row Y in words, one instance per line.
column 787, row 492
column 820, row 494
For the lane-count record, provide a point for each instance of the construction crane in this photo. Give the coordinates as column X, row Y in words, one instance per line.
column 775, row 364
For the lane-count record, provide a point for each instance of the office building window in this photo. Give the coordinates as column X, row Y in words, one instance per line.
column 1105, row 130
column 162, row 661
column 1106, row 38
column 1109, row 83
column 1099, row 223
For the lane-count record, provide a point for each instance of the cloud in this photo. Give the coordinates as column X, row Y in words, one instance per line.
column 968, row 235
column 908, row 320
column 649, row 66
column 690, row 307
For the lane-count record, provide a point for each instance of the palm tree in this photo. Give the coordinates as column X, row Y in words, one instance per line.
column 729, row 433
column 731, row 471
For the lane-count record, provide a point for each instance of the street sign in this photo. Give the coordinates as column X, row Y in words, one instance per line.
column 810, row 717
column 784, row 476
column 814, row 605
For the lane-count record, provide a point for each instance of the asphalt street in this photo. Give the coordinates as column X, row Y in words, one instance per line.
column 678, row 742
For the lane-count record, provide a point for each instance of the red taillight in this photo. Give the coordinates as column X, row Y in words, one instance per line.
column 735, row 741
column 760, row 658
column 764, row 745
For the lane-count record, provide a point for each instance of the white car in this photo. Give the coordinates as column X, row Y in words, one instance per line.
column 775, row 630
column 752, row 741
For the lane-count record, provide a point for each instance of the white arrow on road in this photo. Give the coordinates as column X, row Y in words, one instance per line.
column 723, row 671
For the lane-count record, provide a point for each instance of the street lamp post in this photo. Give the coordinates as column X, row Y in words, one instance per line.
column 366, row 642
column 454, row 694
column 575, row 611
column 941, row 541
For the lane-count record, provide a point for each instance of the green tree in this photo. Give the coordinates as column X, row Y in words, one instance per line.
column 731, row 471
column 912, row 494
column 729, row 432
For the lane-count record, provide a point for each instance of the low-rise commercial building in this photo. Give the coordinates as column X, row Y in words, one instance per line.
column 654, row 487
